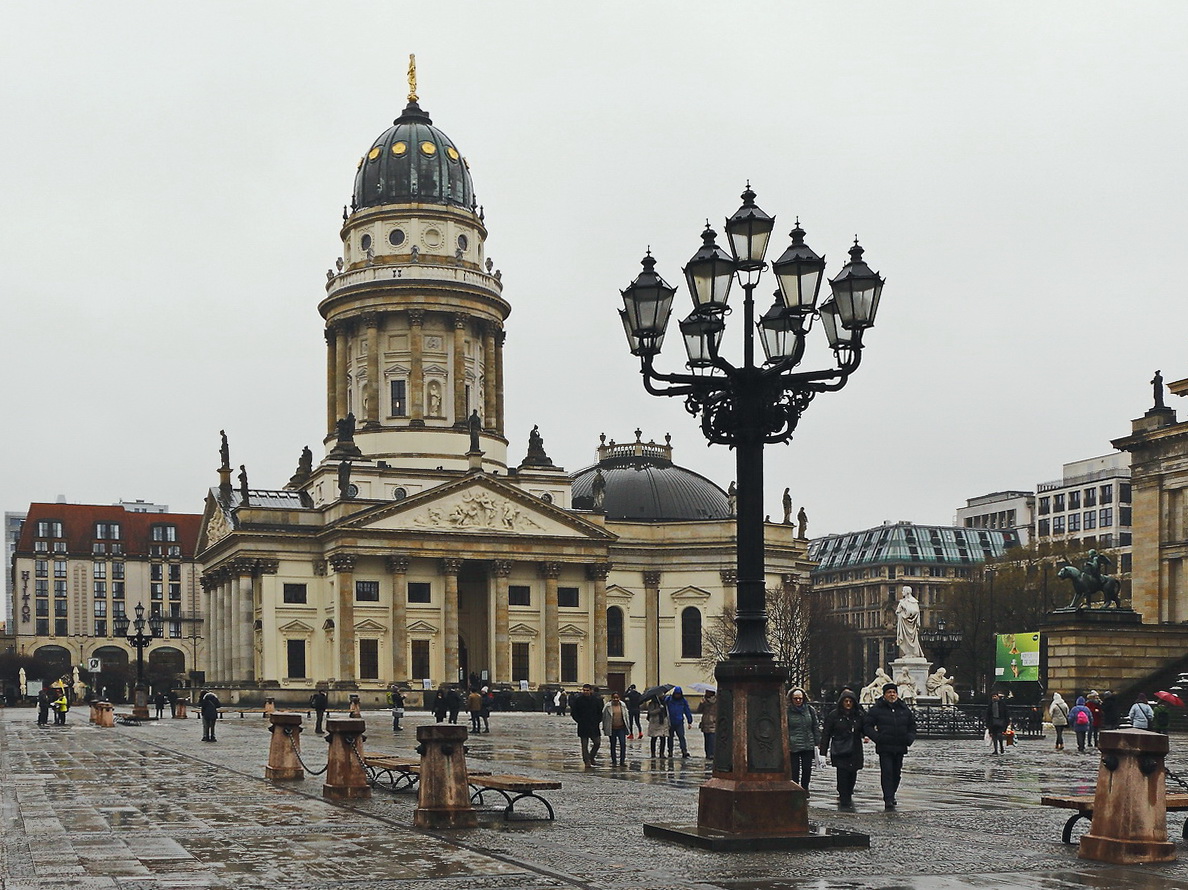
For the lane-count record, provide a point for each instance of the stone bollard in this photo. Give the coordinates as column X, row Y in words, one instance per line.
column 283, row 762
column 443, row 800
column 354, row 709
column 1130, row 805
column 94, row 712
column 269, row 706
column 179, row 711
column 104, row 713
column 345, row 777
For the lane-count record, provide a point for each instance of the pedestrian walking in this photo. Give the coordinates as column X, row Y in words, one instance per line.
column 891, row 725
column 453, row 701
column 440, row 708
column 396, row 702
column 614, row 726
column 1080, row 719
column 563, row 702
column 587, row 714
column 488, row 704
column 634, row 699
column 804, row 735
column 658, row 727
column 474, row 706
column 679, row 715
column 1058, row 711
column 997, row 720
column 209, row 706
column 1111, row 711
column 1093, row 703
column 43, row 706
column 708, row 709
column 171, row 697
column 1141, row 715
column 841, row 742
column 160, row 701
column 319, row 701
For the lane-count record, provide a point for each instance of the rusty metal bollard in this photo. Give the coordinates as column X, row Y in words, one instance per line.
column 345, row 776
column 1130, row 806
column 443, row 799
column 284, row 763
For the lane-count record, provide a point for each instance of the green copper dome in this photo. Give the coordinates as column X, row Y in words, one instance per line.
column 413, row 162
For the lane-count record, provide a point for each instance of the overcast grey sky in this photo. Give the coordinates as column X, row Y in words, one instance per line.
column 174, row 177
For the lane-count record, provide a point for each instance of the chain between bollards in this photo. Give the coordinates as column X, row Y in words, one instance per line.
column 297, row 753
column 368, row 771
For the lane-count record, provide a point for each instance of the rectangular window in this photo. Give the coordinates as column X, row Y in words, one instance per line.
column 1105, row 541
column 1124, row 563
column 117, row 570
column 369, row 659
column 117, row 549
column 569, row 662
column 175, row 630
column 295, row 651
column 164, row 532
column 520, row 659
column 1090, row 497
column 49, row 528
column 1058, row 503
column 175, row 572
column 156, row 572
column 101, row 628
column 1090, row 519
column 519, row 595
column 100, row 608
column 59, row 588
column 175, row 591
column 1107, row 494
column 367, row 591
column 294, row 594
column 567, row 597
column 156, row 591
column 1123, row 492
column 420, row 659
column 1124, row 516
column 1074, row 500
column 40, row 568
column 1106, row 517
column 43, row 627
column 99, row 570
column 175, row 610
column 1058, row 525
column 98, row 549
column 117, row 590
column 100, row 589
column 399, row 398
column 61, row 627
column 420, row 592
column 41, row 587
column 59, row 546
column 43, row 608
column 1043, row 528
column 107, row 531
column 59, row 568
column 1074, row 522
column 41, row 547
column 117, row 609
column 936, row 572
column 174, row 550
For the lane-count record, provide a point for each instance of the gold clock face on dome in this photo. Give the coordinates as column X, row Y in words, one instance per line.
column 452, row 152
column 399, row 148
column 428, row 148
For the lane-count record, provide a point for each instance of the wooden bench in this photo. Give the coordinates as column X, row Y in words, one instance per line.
column 513, row 789
column 1083, row 804
column 400, row 774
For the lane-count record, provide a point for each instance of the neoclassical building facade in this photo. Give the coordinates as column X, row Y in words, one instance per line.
column 414, row 550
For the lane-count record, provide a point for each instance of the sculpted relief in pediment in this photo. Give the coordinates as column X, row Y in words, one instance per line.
column 477, row 510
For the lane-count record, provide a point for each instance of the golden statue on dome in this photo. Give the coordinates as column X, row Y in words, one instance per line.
column 412, row 77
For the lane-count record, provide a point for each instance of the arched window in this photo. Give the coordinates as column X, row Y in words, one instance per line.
column 614, row 632
column 691, row 633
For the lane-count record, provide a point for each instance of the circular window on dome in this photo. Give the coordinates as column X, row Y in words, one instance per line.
column 547, row 498
column 396, row 237
column 365, row 242
column 399, row 148
column 432, row 238
column 463, row 242
column 399, row 494
column 373, row 154
column 428, row 148
column 452, row 152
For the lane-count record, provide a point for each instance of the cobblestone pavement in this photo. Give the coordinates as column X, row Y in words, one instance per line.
column 154, row 807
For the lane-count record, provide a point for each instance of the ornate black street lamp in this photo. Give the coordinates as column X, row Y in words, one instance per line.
column 747, row 406
column 940, row 642
column 139, row 641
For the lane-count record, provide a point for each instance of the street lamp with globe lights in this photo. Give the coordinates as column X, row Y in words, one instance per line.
column 746, row 406
column 139, row 641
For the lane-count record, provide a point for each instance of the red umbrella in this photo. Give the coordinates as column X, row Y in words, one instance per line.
column 1170, row 697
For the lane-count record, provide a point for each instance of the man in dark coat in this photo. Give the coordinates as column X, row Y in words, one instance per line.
column 209, row 706
column 586, row 711
column 841, row 742
column 453, row 702
column 891, row 725
column 633, row 699
column 319, row 702
column 997, row 719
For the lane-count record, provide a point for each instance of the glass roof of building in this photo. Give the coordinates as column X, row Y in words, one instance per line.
column 904, row 542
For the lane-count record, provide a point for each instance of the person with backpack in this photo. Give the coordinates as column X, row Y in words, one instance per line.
column 1141, row 715
column 1080, row 718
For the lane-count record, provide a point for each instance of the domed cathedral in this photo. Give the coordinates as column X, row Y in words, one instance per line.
column 412, row 551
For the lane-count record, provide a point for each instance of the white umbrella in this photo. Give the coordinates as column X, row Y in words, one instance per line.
column 703, row 687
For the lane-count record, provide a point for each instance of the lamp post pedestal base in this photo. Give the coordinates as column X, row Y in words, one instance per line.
column 140, row 703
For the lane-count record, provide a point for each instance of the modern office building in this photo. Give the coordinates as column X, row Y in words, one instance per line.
column 12, row 532
column 1003, row 510
column 1088, row 507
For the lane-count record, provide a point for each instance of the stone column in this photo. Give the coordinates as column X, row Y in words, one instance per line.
column 209, row 586
column 226, row 629
column 597, row 573
column 331, row 378
column 459, row 374
column 652, row 626
column 283, row 764
column 344, row 773
column 398, row 566
column 341, row 352
column 501, row 569
column 550, row 571
column 416, row 370
column 242, row 607
column 255, row 669
column 451, row 567
column 489, row 399
column 344, row 568
column 498, row 422
column 371, row 419
column 730, row 589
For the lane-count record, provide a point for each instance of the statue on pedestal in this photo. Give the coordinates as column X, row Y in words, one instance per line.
column 598, row 489
column 940, row 685
column 787, row 506
column 907, row 686
column 872, row 690
column 907, row 625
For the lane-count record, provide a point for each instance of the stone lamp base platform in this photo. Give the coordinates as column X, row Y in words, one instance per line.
column 818, row 837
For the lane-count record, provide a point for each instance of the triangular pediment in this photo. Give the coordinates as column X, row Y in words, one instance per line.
column 522, row 630
column 421, row 627
column 296, row 626
column 396, row 370
column 619, row 593
column 691, row 593
column 477, row 504
column 370, row 626
column 436, row 369
column 570, row 630
column 216, row 524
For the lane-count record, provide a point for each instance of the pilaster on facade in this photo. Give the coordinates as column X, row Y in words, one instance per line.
column 597, row 573
column 343, row 565
column 459, row 370
column 550, row 572
column 450, row 568
column 371, row 324
column 416, row 371
column 501, row 570
column 651, row 580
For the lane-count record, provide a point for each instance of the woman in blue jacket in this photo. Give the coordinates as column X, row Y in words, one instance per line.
column 1080, row 718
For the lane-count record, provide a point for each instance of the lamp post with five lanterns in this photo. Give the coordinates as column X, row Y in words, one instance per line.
column 139, row 641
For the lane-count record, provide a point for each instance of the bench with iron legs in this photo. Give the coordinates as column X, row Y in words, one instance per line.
column 401, row 774
column 513, row 789
column 128, row 719
column 1083, row 804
